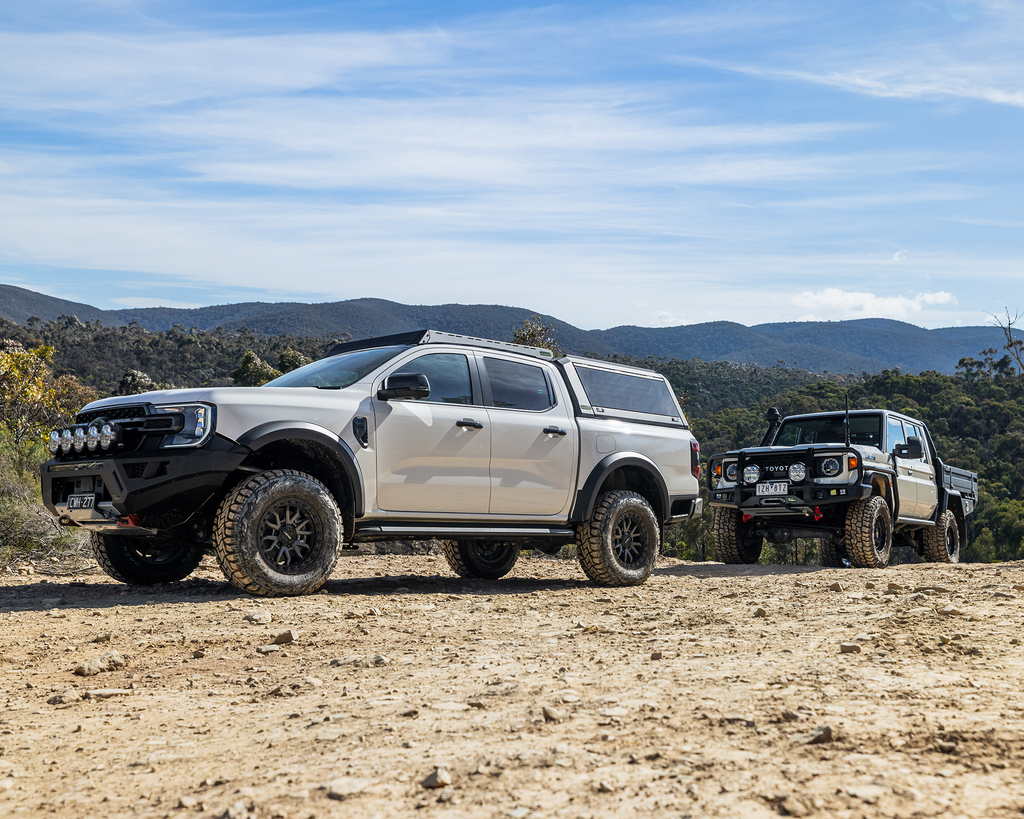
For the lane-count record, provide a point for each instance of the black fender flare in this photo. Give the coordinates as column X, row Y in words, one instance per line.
column 273, row 431
column 586, row 498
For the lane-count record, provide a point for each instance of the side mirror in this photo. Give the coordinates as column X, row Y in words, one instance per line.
column 404, row 385
column 911, row 450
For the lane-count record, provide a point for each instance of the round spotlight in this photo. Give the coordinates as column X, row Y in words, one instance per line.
column 797, row 472
column 65, row 441
column 78, row 439
column 830, row 467
column 54, row 442
column 92, row 438
column 751, row 474
column 107, row 436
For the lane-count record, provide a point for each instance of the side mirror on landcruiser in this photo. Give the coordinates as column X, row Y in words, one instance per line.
column 911, row 450
column 404, row 385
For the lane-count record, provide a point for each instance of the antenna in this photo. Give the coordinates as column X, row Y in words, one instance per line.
column 846, row 420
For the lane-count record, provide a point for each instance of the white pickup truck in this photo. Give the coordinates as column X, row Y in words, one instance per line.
column 489, row 446
column 858, row 481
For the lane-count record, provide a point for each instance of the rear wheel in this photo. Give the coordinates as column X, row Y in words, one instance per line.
column 942, row 542
column 832, row 552
column 279, row 532
column 735, row 541
column 869, row 533
column 487, row 559
column 620, row 543
column 144, row 561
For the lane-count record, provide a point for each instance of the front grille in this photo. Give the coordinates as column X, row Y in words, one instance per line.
column 128, row 412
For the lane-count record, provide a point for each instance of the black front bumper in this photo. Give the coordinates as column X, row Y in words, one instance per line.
column 162, row 487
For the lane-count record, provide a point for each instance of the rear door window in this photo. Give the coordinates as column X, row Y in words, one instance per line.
column 515, row 385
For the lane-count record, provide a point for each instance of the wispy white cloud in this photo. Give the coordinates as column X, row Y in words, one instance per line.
column 835, row 304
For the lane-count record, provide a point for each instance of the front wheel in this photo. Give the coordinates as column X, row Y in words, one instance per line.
column 486, row 559
column 279, row 532
column 145, row 561
column 621, row 541
column 735, row 541
column 942, row 541
column 869, row 533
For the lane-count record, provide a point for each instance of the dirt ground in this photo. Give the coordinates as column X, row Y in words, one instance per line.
column 711, row 690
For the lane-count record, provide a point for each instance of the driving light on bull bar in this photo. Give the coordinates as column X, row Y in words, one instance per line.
column 65, row 441
column 53, row 443
column 108, row 435
column 92, row 438
column 78, row 439
column 751, row 474
column 797, row 472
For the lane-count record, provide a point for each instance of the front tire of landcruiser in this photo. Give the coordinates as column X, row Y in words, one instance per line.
column 869, row 533
column 486, row 559
column 941, row 542
column 735, row 541
column 145, row 561
column 621, row 541
column 278, row 533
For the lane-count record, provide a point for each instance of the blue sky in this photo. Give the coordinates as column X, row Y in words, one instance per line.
column 605, row 163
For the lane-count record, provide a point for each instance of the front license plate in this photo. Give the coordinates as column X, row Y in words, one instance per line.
column 773, row 488
column 81, row 501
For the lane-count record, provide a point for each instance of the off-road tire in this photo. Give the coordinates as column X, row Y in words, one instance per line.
column 735, row 541
column 941, row 542
column 487, row 559
column 145, row 561
column 832, row 552
column 620, row 543
column 278, row 533
column 869, row 533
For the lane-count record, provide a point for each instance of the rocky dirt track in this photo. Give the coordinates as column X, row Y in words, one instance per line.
column 710, row 691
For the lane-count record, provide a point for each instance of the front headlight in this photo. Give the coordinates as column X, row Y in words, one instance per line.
column 731, row 472
column 196, row 424
column 830, row 467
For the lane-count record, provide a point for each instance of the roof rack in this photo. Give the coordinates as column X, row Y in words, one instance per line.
column 415, row 337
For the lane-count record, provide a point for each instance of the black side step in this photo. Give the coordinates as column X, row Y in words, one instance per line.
column 409, row 531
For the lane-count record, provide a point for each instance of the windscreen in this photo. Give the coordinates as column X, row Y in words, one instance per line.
column 337, row 371
column 865, row 430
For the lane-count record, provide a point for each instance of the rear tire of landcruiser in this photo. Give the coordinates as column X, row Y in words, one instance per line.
column 145, row 561
column 869, row 533
column 941, row 543
column 735, row 541
column 621, row 541
column 486, row 559
column 832, row 553
column 278, row 533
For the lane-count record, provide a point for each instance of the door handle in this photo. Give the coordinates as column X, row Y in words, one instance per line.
column 554, row 431
column 469, row 422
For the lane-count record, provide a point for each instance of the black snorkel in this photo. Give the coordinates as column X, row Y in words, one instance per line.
column 773, row 416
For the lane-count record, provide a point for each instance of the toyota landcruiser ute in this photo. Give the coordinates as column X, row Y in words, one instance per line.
column 858, row 481
column 488, row 446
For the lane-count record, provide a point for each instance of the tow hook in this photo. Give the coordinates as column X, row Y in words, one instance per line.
column 128, row 522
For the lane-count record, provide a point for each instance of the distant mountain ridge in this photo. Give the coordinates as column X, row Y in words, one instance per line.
column 857, row 345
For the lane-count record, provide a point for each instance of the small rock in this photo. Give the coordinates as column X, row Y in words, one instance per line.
column 347, row 786
column 862, row 637
column 869, row 585
column 605, row 787
column 102, row 638
column 868, row 793
column 267, row 649
column 794, row 805
column 945, row 639
column 837, row 587
column 440, row 778
column 552, row 714
column 656, row 655
column 199, row 653
column 106, row 693
column 819, row 736
column 259, row 617
column 614, row 712
column 236, row 811
column 285, row 638
column 760, row 612
column 949, row 610
column 107, row 662
column 518, row 813
column 894, row 586
column 946, row 747
column 849, row 648
column 65, row 698
column 380, row 659
column 188, row 802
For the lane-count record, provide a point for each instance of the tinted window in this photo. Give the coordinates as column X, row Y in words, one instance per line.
column 865, row 430
column 627, row 392
column 448, row 374
column 337, row 370
column 518, row 386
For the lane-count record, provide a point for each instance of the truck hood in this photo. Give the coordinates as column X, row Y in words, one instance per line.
column 241, row 409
